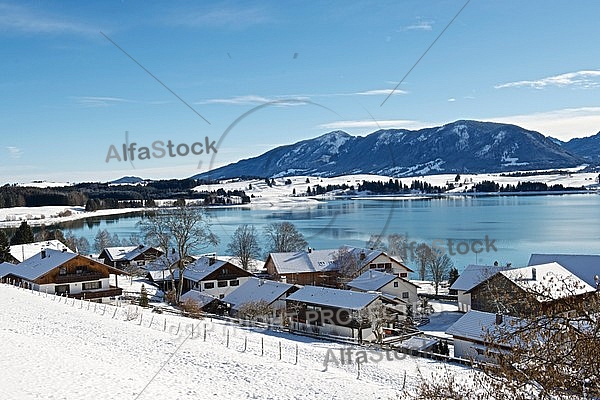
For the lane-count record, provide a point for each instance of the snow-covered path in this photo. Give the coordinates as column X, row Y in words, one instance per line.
column 55, row 348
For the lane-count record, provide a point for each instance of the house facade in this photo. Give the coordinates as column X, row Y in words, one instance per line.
column 387, row 284
column 337, row 312
column 64, row 273
column 213, row 276
column 124, row 257
column 528, row 291
column 322, row 267
column 470, row 277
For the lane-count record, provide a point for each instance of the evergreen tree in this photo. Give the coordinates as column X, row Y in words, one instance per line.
column 22, row 235
column 452, row 276
column 4, row 248
column 143, row 296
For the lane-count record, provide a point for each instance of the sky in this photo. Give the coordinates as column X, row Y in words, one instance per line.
column 78, row 80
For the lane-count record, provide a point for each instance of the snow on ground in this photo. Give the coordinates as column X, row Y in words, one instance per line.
column 46, row 215
column 57, row 348
column 130, row 284
column 445, row 313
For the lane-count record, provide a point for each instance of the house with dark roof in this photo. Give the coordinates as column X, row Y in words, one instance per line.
column 386, row 284
column 205, row 301
column 64, row 273
column 585, row 266
column 470, row 277
column 337, row 312
column 322, row 267
column 527, row 291
column 213, row 276
column 260, row 290
column 124, row 257
column 159, row 270
column 473, row 333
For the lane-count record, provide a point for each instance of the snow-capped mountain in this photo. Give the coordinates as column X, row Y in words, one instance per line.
column 461, row 146
column 587, row 147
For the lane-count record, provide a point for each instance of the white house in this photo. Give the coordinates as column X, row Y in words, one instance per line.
column 473, row 333
column 585, row 266
column 385, row 283
column 254, row 289
column 213, row 276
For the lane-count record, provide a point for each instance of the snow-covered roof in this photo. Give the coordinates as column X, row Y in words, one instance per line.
column 333, row 297
column 255, row 289
column 552, row 279
column 162, row 262
column 22, row 252
column 163, row 275
column 126, row 253
column 199, row 297
column 6, row 268
column 36, row 266
column 584, row 266
column 418, row 343
column 477, row 325
column 202, row 267
column 473, row 275
column 372, row 280
column 304, row 261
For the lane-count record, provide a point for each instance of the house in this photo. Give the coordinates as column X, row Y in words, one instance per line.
column 213, row 276
column 473, row 333
column 205, row 301
column 322, row 267
column 471, row 276
column 585, row 266
column 123, row 257
column 386, row 283
column 331, row 311
column 65, row 273
column 528, row 291
column 21, row 252
column 254, row 290
column 159, row 270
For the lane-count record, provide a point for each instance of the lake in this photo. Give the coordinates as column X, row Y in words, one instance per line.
column 515, row 226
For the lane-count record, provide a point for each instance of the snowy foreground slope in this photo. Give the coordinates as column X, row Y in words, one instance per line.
column 57, row 348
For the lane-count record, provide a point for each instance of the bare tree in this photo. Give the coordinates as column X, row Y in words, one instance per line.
column 284, row 237
column 103, row 240
column 347, row 264
column 376, row 242
column 439, row 265
column 253, row 310
column 244, row 245
column 185, row 229
column 378, row 316
column 423, row 254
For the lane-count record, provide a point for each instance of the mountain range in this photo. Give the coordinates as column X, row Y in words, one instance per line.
column 459, row 147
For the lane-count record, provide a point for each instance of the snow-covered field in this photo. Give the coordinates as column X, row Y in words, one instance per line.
column 57, row 348
column 45, row 215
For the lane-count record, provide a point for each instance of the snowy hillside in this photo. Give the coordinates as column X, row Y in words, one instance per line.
column 57, row 348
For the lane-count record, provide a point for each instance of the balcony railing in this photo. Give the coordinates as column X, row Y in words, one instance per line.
column 97, row 294
column 80, row 277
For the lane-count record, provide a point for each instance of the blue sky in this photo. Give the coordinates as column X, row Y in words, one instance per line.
column 68, row 93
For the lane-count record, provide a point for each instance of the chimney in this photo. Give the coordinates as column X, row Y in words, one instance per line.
column 173, row 250
column 362, row 255
column 597, row 282
column 211, row 260
column 141, row 246
column 310, row 249
column 64, row 250
column 533, row 274
column 44, row 253
column 508, row 265
column 498, row 319
column 495, row 263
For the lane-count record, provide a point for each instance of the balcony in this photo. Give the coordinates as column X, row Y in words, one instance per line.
column 97, row 294
column 80, row 277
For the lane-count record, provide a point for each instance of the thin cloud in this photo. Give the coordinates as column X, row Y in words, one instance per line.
column 14, row 152
column 380, row 92
column 420, row 25
column 220, row 16
column 254, row 100
column 20, row 19
column 581, row 79
column 451, row 100
column 95, row 101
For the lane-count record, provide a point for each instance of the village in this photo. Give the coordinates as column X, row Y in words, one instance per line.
column 350, row 295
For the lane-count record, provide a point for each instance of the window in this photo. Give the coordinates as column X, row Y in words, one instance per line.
column 209, row 285
column 222, row 283
column 395, row 284
column 235, row 282
column 405, row 295
column 373, row 266
column 62, row 271
column 61, row 289
column 403, row 274
column 91, row 285
column 388, row 265
column 224, row 271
